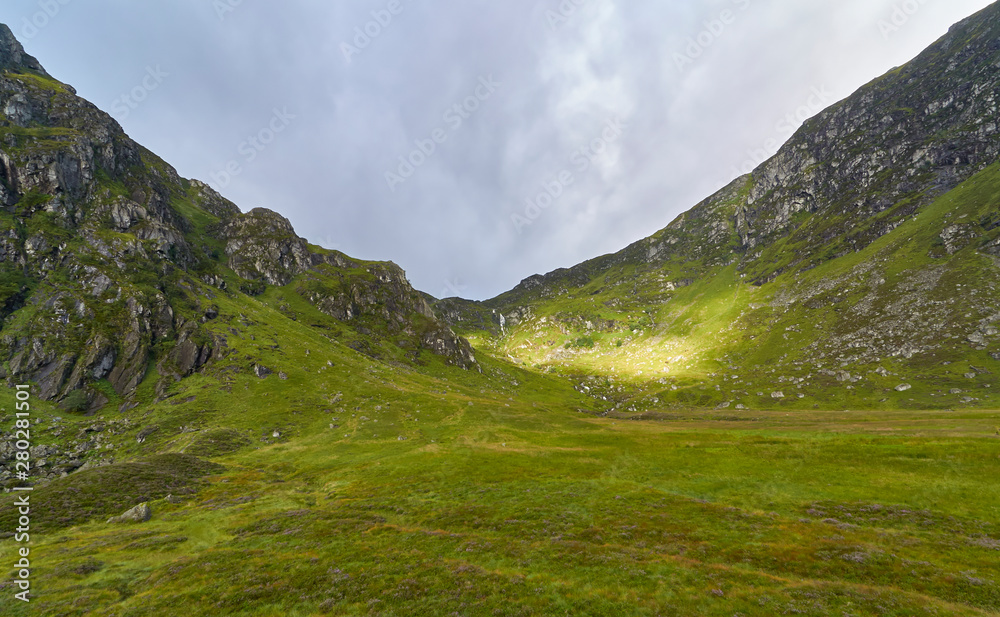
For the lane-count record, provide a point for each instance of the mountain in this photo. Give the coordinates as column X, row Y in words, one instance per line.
column 855, row 268
column 226, row 420
column 110, row 263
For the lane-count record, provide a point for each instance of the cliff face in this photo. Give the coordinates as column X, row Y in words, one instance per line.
column 108, row 258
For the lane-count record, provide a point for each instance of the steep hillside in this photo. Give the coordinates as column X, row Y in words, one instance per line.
column 856, row 268
column 111, row 265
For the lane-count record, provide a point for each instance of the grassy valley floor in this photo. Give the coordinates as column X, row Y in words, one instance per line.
column 539, row 510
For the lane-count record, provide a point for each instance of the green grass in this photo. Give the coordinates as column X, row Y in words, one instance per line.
column 395, row 489
column 520, row 511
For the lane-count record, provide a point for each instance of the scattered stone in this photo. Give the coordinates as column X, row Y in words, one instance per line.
column 139, row 514
column 856, row 557
column 777, row 395
column 146, row 432
column 903, row 387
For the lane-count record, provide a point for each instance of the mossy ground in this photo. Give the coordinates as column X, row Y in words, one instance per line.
column 535, row 509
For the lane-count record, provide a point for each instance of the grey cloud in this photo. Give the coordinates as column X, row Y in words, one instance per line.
column 449, row 225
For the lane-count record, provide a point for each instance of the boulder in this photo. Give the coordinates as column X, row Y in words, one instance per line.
column 139, row 514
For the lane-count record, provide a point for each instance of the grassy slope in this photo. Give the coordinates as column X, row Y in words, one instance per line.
column 682, row 347
column 503, row 499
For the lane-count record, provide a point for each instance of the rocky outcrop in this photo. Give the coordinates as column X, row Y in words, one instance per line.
column 384, row 294
column 139, row 514
column 262, row 245
column 12, row 54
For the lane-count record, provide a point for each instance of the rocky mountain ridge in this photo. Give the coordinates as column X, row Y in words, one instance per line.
column 878, row 156
column 109, row 259
column 874, row 228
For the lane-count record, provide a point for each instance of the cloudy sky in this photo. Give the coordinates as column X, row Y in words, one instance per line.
column 474, row 143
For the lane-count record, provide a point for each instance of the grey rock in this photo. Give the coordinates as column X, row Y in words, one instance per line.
column 139, row 514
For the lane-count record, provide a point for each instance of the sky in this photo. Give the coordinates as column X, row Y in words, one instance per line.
column 473, row 143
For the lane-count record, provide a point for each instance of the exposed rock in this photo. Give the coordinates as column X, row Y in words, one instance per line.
column 262, row 244
column 139, row 514
column 957, row 237
column 146, row 432
column 13, row 56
